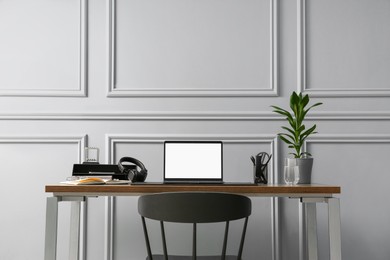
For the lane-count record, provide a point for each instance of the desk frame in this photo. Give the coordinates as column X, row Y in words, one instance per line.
column 308, row 195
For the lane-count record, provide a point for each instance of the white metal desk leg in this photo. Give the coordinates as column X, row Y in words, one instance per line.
column 74, row 230
column 83, row 230
column 108, row 230
column 302, row 231
column 51, row 228
column 311, row 229
column 308, row 244
column 334, row 228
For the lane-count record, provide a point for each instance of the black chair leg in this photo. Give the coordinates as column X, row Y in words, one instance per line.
column 242, row 239
column 147, row 239
column 225, row 241
column 164, row 241
column 194, row 242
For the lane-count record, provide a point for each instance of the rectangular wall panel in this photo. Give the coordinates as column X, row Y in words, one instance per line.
column 27, row 164
column 346, row 55
column 358, row 164
column 149, row 149
column 43, row 48
column 187, row 48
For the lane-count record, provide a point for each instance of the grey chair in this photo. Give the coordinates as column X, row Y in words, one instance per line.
column 194, row 208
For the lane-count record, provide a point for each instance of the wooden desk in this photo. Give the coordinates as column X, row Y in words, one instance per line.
column 308, row 195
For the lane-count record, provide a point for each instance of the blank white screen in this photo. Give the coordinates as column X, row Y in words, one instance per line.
column 193, row 160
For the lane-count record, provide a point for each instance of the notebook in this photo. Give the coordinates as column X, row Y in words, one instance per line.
column 193, row 162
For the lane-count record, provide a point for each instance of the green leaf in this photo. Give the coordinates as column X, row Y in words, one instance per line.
column 305, row 101
column 289, row 130
column 278, row 108
column 294, row 100
column 308, row 132
column 283, row 112
column 305, row 153
column 280, row 111
column 301, row 128
column 300, row 119
column 288, row 136
column 291, row 122
column 315, row 105
column 299, row 97
column 284, row 139
column 293, row 140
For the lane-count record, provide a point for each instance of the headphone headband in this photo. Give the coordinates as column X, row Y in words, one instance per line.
column 131, row 160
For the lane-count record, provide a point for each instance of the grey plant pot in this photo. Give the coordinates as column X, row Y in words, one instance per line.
column 305, row 167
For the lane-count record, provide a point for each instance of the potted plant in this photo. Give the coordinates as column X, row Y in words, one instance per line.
column 297, row 132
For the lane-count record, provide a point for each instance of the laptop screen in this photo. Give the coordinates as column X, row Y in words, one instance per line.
column 193, row 160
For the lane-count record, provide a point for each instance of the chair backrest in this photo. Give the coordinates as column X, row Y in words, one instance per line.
column 194, row 207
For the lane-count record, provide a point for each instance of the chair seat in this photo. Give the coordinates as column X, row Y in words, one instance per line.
column 179, row 257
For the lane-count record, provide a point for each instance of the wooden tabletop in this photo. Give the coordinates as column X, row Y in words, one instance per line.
column 123, row 190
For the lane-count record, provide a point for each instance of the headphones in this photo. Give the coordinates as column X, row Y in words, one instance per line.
column 131, row 170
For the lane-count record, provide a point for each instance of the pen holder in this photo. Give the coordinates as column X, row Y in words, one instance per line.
column 260, row 173
column 260, row 167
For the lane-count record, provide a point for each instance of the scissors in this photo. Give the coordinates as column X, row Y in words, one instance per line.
column 264, row 158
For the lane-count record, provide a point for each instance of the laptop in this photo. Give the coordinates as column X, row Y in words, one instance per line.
column 193, row 162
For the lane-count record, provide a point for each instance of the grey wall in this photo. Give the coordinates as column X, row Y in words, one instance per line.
column 124, row 75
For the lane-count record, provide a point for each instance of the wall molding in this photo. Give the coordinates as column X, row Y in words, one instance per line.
column 142, row 115
column 80, row 141
column 349, row 138
column 113, row 139
column 113, row 91
column 302, row 67
column 81, row 89
column 194, row 115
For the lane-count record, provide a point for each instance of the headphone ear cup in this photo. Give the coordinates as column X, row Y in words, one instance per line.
column 141, row 175
column 132, row 174
column 137, row 176
column 131, row 170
